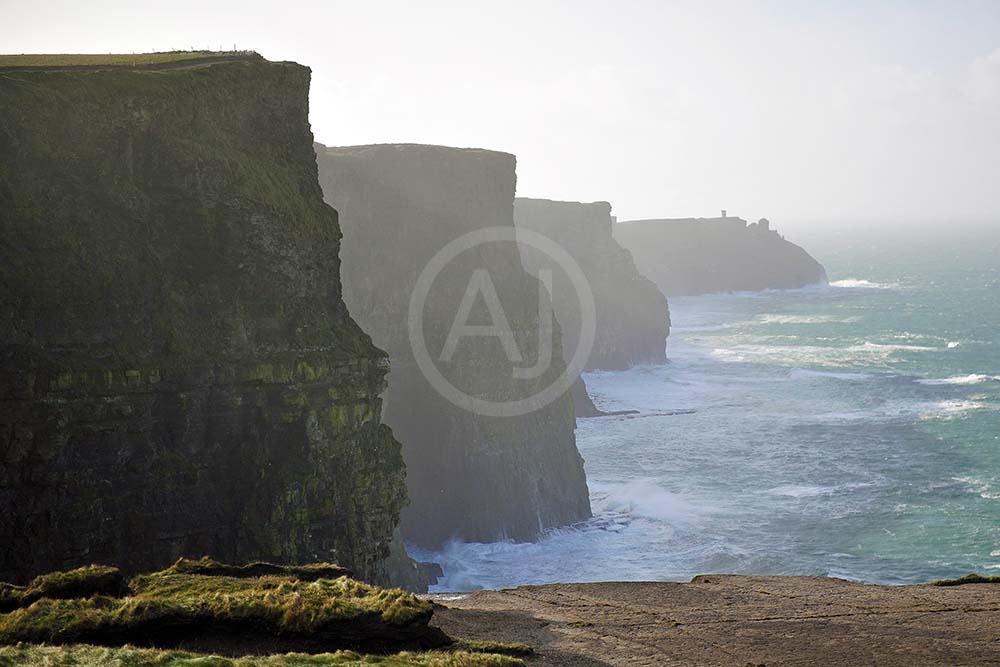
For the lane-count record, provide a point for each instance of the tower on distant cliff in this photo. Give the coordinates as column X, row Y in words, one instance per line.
column 724, row 213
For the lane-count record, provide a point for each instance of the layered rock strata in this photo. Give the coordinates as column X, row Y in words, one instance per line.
column 179, row 375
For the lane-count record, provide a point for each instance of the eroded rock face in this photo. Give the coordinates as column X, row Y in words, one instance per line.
column 632, row 318
column 179, row 374
column 471, row 476
column 702, row 255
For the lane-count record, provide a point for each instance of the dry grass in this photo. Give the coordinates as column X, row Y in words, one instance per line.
column 268, row 605
column 80, row 655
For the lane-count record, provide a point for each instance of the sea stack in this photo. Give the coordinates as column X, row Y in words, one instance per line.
column 399, row 205
column 633, row 320
column 691, row 256
column 180, row 375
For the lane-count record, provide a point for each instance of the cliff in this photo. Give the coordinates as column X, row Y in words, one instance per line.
column 698, row 256
column 179, row 374
column 469, row 474
column 633, row 321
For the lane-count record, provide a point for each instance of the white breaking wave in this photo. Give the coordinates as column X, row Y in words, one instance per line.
column 974, row 378
column 892, row 347
column 805, row 319
column 985, row 491
column 646, row 499
column 861, row 283
column 807, row 491
column 805, row 373
column 811, row 355
column 801, row 491
column 950, row 409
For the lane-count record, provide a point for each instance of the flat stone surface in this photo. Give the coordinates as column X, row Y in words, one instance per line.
column 736, row 621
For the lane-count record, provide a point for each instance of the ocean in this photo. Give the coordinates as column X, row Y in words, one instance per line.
column 849, row 430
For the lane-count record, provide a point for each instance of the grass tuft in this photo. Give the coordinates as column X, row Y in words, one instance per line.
column 270, row 605
column 967, row 579
column 500, row 648
column 81, row 655
column 82, row 582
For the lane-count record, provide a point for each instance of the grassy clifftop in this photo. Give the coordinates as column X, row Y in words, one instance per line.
column 165, row 59
column 242, row 615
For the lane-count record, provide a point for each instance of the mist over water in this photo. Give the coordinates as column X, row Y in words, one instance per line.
column 851, row 430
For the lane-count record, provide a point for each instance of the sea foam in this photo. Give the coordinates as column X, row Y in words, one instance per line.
column 861, row 283
column 974, row 378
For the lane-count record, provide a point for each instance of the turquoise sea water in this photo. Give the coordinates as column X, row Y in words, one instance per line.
column 851, row 430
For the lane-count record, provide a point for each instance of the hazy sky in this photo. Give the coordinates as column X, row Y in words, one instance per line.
column 799, row 111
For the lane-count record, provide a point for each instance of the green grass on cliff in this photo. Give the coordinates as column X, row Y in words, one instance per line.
column 114, row 59
column 26, row 655
column 967, row 579
column 88, row 617
column 82, row 582
column 208, row 567
column 269, row 606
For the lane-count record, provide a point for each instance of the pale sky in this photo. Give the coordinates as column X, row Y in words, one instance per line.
column 803, row 112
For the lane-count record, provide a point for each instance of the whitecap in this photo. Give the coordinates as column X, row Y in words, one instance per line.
column 950, row 409
column 861, row 283
column 974, row 378
column 797, row 319
column 801, row 491
column 807, row 374
column 891, row 347
column 952, row 344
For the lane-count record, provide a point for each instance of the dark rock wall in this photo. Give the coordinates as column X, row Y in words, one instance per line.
column 179, row 374
column 632, row 318
column 471, row 476
column 698, row 256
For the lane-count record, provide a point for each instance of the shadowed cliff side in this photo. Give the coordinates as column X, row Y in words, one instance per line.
column 179, row 374
column 476, row 477
column 633, row 321
column 699, row 256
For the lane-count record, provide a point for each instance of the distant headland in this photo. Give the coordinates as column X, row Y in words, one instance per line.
column 688, row 256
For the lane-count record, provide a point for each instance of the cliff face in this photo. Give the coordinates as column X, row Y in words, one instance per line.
column 179, row 374
column 472, row 476
column 632, row 316
column 698, row 256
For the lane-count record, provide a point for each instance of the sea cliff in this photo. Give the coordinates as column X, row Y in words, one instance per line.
column 702, row 255
column 632, row 318
column 179, row 374
column 470, row 475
